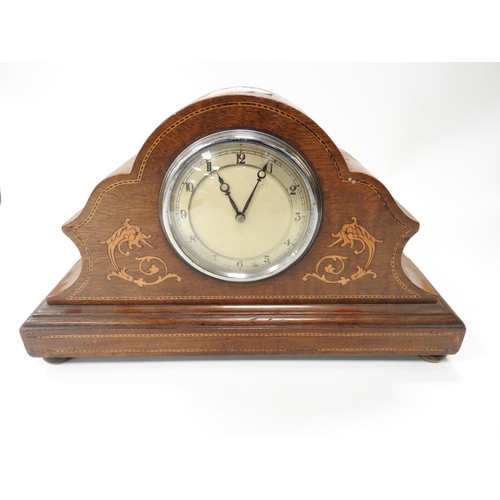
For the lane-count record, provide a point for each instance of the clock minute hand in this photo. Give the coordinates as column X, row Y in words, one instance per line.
column 261, row 174
column 224, row 187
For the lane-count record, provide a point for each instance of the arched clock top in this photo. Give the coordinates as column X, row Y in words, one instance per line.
column 352, row 252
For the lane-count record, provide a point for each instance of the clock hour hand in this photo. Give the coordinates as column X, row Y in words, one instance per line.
column 261, row 174
column 224, row 187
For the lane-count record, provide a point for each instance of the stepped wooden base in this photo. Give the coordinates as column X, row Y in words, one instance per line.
column 430, row 330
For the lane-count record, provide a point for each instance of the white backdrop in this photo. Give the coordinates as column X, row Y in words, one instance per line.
column 254, row 428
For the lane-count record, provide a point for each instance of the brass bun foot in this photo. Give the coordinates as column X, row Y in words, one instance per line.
column 433, row 358
column 56, row 361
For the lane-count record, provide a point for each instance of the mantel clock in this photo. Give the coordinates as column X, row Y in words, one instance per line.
column 241, row 229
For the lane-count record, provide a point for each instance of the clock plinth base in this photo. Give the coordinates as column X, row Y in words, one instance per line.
column 58, row 332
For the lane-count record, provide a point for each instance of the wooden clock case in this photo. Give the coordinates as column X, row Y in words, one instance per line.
column 353, row 293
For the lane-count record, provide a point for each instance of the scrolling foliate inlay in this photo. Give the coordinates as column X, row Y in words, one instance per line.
column 148, row 265
column 330, row 267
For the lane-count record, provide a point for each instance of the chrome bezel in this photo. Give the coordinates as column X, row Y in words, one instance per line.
column 252, row 137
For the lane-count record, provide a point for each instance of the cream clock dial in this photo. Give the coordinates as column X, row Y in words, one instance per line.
column 240, row 205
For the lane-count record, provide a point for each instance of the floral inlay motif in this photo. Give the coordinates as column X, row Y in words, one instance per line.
column 132, row 237
column 330, row 267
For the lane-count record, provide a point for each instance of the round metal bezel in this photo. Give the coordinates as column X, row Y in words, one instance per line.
column 280, row 148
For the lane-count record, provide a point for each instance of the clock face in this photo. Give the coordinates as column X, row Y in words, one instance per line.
column 240, row 205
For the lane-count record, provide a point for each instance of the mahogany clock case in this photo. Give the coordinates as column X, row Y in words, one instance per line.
column 353, row 292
